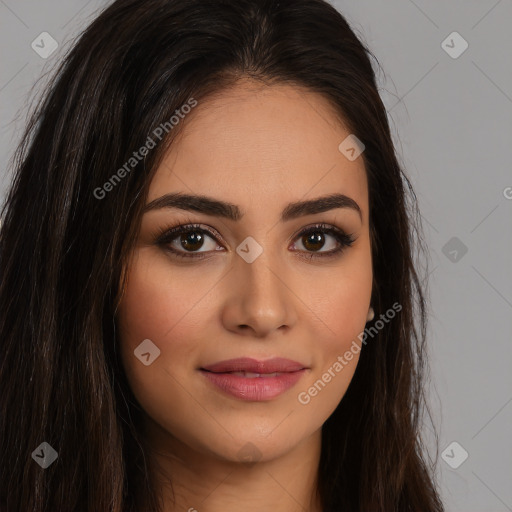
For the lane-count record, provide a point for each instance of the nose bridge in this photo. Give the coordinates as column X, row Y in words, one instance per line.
column 261, row 295
column 261, row 275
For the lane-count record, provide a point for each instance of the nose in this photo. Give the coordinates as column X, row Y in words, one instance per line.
column 259, row 298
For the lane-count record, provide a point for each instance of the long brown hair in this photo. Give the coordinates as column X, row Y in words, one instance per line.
column 63, row 250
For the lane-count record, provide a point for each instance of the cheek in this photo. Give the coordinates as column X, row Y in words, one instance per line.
column 341, row 304
column 341, row 298
column 159, row 304
column 344, row 309
column 165, row 309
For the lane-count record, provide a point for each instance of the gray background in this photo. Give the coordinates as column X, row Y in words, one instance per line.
column 452, row 125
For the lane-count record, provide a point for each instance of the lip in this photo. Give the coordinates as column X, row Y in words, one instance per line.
column 254, row 388
column 247, row 364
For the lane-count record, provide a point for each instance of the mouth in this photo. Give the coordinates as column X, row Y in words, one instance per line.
column 247, row 365
column 249, row 379
column 252, row 375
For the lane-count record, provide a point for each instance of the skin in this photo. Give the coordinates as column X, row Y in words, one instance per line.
column 251, row 145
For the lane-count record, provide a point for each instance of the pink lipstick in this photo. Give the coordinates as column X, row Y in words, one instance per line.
column 249, row 379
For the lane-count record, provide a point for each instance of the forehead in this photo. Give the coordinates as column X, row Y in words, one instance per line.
column 253, row 143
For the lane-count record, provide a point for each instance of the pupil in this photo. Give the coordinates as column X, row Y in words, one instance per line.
column 316, row 239
column 193, row 240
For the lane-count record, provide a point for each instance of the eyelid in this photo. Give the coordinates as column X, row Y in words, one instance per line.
column 164, row 232
column 342, row 237
column 168, row 234
column 320, row 226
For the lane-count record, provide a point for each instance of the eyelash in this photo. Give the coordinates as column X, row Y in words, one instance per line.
column 168, row 234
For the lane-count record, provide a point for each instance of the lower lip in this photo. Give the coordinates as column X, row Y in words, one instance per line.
column 256, row 388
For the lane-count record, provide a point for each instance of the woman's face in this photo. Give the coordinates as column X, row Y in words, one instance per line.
column 255, row 287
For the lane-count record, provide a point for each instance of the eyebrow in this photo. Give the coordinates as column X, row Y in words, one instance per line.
column 217, row 208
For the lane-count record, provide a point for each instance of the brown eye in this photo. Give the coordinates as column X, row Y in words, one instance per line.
column 192, row 240
column 187, row 240
column 313, row 239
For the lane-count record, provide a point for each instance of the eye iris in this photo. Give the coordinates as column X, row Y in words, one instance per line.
column 190, row 239
column 314, row 239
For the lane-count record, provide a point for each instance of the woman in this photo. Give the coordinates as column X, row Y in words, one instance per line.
column 207, row 219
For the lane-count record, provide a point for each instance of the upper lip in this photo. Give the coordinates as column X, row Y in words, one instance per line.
column 277, row 364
